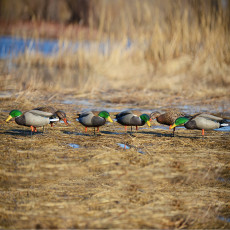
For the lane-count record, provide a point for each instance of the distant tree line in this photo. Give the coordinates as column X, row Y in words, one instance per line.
column 61, row 11
column 82, row 11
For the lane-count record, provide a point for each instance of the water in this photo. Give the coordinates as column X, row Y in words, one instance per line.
column 13, row 46
column 99, row 105
column 141, row 151
column 224, row 180
column 61, row 121
column 124, row 146
column 223, row 129
column 75, row 146
column 76, row 133
column 160, row 127
column 226, row 219
column 116, row 108
column 5, row 95
column 78, row 102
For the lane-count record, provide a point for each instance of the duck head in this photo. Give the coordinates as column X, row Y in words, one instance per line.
column 14, row 113
column 146, row 119
column 105, row 115
column 62, row 116
column 154, row 115
column 179, row 121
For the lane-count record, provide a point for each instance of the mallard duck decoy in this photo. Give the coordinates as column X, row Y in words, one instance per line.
column 167, row 118
column 127, row 118
column 201, row 122
column 56, row 113
column 88, row 119
column 31, row 118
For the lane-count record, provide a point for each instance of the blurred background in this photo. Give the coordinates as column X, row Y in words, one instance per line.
column 179, row 47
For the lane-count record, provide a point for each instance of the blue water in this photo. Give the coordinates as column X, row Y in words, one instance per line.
column 124, row 146
column 64, row 122
column 226, row 219
column 223, row 129
column 224, row 180
column 13, row 46
column 75, row 146
column 141, row 151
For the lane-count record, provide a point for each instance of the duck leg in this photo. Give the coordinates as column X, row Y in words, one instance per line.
column 136, row 127
column 203, row 133
column 85, row 129
column 98, row 129
column 125, row 128
column 32, row 129
column 94, row 131
column 43, row 130
column 174, row 131
column 131, row 129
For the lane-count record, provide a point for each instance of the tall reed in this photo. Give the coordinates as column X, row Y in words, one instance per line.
column 174, row 46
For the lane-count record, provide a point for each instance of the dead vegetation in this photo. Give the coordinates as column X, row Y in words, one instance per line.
column 180, row 47
column 180, row 182
column 179, row 56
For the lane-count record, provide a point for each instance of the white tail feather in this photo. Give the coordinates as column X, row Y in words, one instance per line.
column 224, row 124
column 54, row 119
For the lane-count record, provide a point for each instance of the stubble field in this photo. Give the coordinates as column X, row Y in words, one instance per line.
column 156, row 181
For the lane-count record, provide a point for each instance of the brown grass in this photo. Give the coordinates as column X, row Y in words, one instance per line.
column 47, row 184
column 179, row 56
column 178, row 47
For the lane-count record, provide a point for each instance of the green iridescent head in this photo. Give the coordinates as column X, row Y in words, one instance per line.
column 180, row 121
column 14, row 113
column 105, row 115
column 145, row 118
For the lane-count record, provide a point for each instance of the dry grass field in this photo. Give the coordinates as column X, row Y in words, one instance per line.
column 156, row 182
column 156, row 55
column 179, row 47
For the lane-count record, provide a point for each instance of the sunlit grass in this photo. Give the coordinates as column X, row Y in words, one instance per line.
column 180, row 182
column 179, row 47
column 179, row 53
